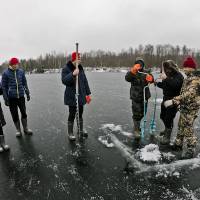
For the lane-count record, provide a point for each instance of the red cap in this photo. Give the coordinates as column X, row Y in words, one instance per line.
column 74, row 56
column 189, row 63
column 13, row 61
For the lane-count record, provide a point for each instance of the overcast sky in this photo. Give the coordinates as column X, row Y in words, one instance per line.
column 33, row 27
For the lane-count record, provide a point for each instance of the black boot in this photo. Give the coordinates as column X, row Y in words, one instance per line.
column 162, row 132
column 178, row 144
column 165, row 138
column 25, row 127
column 82, row 132
column 189, row 152
column 176, row 147
column 3, row 146
column 71, row 135
column 18, row 128
column 137, row 131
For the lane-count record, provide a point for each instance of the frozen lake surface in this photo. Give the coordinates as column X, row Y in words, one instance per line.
column 47, row 166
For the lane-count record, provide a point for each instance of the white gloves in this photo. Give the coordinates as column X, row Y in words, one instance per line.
column 163, row 76
column 168, row 103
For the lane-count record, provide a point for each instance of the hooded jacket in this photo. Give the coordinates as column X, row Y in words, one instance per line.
column 172, row 84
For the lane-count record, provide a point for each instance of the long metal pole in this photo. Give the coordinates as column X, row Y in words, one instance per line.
column 77, row 93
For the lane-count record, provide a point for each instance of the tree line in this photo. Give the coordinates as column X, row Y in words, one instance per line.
column 153, row 56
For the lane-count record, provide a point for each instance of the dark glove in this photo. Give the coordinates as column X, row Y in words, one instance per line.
column 7, row 102
column 28, row 97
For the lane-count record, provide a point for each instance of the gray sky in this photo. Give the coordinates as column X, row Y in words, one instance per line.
column 33, row 27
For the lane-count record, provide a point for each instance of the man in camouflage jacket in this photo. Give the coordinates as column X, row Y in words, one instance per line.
column 189, row 104
column 139, row 79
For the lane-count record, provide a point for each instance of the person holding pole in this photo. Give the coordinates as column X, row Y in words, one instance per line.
column 77, row 93
column 139, row 79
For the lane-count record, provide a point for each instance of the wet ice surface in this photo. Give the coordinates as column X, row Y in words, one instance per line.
column 47, row 166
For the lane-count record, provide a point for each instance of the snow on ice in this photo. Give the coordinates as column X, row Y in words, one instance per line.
column 150, row 153
column 116, row 128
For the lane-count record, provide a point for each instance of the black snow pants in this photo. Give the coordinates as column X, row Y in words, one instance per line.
column 167, row 115
column 14, row 104
column 72, row 113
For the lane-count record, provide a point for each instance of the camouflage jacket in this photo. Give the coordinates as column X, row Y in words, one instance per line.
column 138, row 82
column 189, row 98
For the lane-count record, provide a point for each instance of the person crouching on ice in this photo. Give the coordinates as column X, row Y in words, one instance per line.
column 138, row 82
column 171, row 84
column 189, row 103
column 69, row 75
column 14, row 86
column 3, row 146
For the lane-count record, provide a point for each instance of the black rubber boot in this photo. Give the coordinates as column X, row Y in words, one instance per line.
column 162, row 132
column 82, row 132
column 18, row 128
column 165, row 138
column 136, row 133
column 176, row 147
column 3, row 146
column 71, row 135
column 25, row 127
column 189, row 153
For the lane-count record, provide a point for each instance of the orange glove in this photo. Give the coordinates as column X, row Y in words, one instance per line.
column 149, row 78
column 135, row 69
column 88, row 99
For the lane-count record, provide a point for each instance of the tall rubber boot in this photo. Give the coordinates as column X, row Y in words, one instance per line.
column 136, row 132
column 3, row 146
column 71, row 135
column 189, row 152
column 165, row 138
column 18, row 128
column 162, row 132
column 82, row 132
column 25, row 127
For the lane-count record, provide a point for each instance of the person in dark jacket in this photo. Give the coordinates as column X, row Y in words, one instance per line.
column 3, row 146
column 171, row 84
column 14, row 86
column 138, row 82
column 69, row 75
